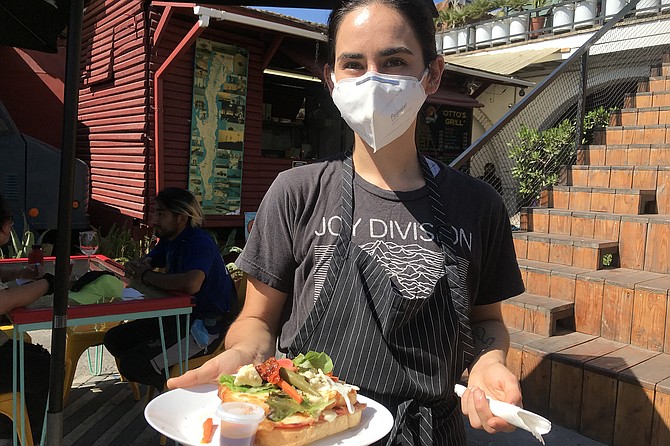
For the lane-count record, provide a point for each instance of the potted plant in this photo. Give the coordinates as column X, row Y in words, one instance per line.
column 447, row 41
column 537, row 21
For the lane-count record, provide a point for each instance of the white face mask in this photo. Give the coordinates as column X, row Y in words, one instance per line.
column 379, row 107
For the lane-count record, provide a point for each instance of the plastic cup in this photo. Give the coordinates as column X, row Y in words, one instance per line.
column 239, row 422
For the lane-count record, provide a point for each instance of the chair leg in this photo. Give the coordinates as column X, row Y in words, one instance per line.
column 6, row 409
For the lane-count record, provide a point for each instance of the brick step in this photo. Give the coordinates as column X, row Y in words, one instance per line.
column 538, row 314
column 621, row 304
column 624, row 155
column 642, row 238
column 654, row 84
column 633, row 134
column 641, row 116
column 648, row 99
column 566, row 250
column 601, row 199
column 660, row 70
column 616, row 177
column 607, row 390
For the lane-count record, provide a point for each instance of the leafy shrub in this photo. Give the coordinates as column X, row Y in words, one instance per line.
column 119, row 244
column 538, row 156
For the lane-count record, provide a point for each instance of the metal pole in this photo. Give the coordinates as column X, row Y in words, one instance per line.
column 63, row 241
column 581, row 99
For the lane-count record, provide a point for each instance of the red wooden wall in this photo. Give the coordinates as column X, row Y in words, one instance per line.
column 117, row 116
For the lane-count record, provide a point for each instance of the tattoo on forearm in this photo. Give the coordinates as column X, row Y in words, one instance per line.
column 481, row 337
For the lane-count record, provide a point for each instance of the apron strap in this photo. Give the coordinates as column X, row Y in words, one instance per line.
column 458, row 289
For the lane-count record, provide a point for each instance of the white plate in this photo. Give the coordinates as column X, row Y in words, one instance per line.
column 179, row 414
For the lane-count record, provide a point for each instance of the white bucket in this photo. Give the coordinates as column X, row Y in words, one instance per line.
column 651, row 7
column 613, row 6
column 483, row 35
column 585, row 14
column 500, row 31
column 563, row 17
column 449, row 42
column 518, row 27
column 463, row 40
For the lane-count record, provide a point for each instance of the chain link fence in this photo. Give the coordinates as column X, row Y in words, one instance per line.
column 526, row 151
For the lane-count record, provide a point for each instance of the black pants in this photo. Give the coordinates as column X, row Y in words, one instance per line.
column 137, row 347
column 37, row 362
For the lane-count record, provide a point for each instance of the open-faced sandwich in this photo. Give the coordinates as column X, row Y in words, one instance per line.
column 303, row 400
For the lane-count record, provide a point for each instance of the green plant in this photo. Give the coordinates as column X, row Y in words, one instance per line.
column 20, row 246
column 607, row 259
column 119, row 244
column 594, row 120
column 538, row 157
column 514, row 5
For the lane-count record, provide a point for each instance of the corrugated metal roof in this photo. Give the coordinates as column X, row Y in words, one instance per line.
column 505, row 63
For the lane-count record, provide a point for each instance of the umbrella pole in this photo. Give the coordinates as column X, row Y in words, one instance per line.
column 64, row 231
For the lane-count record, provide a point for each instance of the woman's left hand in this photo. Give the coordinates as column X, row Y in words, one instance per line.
column 493, row 379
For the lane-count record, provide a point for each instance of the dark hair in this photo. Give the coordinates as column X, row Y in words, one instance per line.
column 5, row 211
column 418, row 13
column 181, row 201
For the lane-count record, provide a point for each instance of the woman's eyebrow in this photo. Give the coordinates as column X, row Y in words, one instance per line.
column 383, row 53
column 396, row 50
column 349, row 56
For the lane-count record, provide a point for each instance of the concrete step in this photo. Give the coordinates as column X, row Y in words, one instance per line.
column 615, row 177
column 567, row 250
column 621, row 304
column 624, row 155
column 634, row 134
column 601, row 199
column 595, row 386
column 538, row 314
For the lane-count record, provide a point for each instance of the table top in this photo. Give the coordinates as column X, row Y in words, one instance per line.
column 153, row 300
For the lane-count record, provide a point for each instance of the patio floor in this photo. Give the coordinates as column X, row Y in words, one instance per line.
column 101, row 411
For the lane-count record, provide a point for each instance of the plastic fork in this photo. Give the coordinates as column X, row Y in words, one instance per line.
column 514, row 415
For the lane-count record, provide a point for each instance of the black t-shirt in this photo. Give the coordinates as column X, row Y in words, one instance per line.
column 297, row 224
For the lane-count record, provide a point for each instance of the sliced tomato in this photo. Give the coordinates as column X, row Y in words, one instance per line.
column 286, row 363
column 294, row 425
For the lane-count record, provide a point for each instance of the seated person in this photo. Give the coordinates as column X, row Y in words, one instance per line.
column 193, row 265
column 36, row 360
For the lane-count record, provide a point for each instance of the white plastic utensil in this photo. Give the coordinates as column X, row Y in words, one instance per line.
column 533, row 423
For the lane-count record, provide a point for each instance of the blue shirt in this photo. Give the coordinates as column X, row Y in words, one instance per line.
column 195, row 249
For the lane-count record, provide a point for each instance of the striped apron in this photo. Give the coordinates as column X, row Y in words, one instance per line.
column 404, row 353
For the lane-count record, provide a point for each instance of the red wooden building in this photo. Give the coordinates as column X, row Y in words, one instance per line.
column 137, row 104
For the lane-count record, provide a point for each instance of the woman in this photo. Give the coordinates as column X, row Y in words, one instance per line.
column 393, row 264
column 37, row 359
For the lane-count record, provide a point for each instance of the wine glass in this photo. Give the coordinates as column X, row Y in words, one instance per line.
column 88, row 244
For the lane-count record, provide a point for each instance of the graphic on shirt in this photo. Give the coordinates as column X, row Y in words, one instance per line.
column 406, row 250
column 415, row 268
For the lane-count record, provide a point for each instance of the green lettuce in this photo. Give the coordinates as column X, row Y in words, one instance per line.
column 314, row 360
column 282, row 406
column 229, row 381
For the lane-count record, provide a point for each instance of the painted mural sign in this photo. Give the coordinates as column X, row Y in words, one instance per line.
column 444, row 131
column 217, row 126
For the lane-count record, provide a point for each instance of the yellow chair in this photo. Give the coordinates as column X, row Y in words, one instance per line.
column 9, row 331
column 6, row 409
column 78, row 340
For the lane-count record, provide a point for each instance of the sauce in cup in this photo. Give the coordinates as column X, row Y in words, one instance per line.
column 239, row 422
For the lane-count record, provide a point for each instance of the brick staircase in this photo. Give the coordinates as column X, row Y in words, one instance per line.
column 590, row 338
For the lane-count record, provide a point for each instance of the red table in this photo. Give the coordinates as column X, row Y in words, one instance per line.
column 39, row 315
